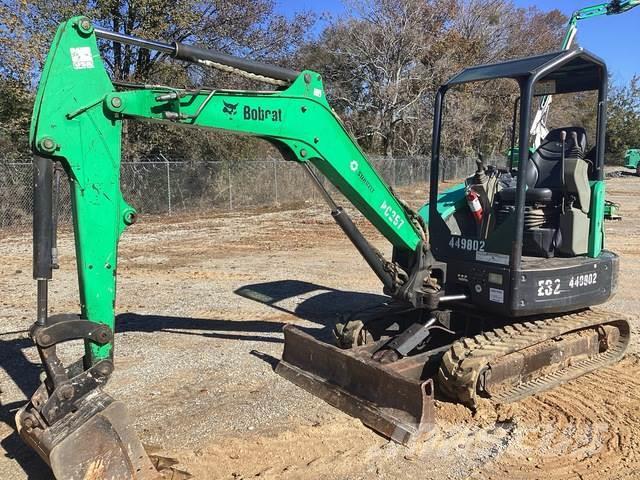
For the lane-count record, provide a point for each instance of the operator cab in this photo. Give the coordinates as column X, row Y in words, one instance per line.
column 527, row 238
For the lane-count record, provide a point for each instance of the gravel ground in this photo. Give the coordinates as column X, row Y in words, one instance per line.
column 201, row 303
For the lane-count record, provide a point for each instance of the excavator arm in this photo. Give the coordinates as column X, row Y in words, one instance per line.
column 77, row 122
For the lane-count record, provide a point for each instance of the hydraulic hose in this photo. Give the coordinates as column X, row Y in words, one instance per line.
column 191, row 53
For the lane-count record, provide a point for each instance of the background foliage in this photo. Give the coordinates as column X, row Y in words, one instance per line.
column 382, row 64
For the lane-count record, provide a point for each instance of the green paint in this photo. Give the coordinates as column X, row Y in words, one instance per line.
column 449, row 201
column 88, row 145
column 596, row 215
column 298, row 118
column 78, row 117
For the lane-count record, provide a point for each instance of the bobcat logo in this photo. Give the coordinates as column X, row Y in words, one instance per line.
column 230, row 108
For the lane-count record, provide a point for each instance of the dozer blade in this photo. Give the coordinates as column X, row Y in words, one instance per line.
column 95, row 442
column 383, row 396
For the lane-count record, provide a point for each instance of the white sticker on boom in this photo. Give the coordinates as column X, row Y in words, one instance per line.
column 317, row 92
column 496, row 295
column 81, row 58
column 492, row 257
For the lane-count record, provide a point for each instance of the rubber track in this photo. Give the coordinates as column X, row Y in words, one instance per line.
column 463, row 363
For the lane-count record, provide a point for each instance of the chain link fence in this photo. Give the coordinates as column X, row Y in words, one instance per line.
column 168, row 187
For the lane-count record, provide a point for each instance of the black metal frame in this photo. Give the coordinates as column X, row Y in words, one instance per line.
column 526, row 81
column 191, row 53
column 514, row 124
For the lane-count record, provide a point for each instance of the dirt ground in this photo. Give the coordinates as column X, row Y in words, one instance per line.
column 201, row 305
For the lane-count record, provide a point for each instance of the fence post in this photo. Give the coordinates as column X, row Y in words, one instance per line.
column 230, row 197
column 166, row 163
column 275, row 178
column 394, row 165
column 169, row 187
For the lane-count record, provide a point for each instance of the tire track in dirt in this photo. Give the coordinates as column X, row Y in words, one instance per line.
column 327, row 450
column 587, row 429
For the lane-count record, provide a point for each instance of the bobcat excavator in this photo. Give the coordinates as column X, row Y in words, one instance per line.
column 490, row 284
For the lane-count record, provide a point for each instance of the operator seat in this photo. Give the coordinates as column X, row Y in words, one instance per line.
column 548, row 225
column 544, row 172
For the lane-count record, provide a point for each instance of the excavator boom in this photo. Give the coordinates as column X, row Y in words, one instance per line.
column 78, row 121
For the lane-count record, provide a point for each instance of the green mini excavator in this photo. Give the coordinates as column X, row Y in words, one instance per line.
column 489, row 285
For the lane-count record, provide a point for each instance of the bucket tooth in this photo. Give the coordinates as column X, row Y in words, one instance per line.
column 397, row 406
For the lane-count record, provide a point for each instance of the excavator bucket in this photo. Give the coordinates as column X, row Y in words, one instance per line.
column 389, row 398
column 95, row 442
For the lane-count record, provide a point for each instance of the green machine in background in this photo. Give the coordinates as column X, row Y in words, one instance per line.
column 489, row 285
column 538, row 126
column 632, row 160
column 539, row 129
column 611, row 210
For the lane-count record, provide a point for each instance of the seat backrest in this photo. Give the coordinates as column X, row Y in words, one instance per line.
column 545, row 167
column 556, row 136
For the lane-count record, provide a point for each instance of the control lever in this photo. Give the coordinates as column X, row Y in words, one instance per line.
column 480, row 162
column 481, row 172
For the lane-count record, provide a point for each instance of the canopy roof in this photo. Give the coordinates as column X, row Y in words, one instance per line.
column 561, row 72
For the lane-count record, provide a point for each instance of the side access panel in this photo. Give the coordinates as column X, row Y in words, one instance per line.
column 565, row 284
column 544, row 285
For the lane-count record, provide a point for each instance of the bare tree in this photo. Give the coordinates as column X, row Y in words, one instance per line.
column 487, row 31
column 249, row 28
column 623, row 128
column 385, row 62
column 372, row 62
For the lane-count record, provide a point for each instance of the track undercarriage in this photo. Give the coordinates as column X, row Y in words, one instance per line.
column 496, row 360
